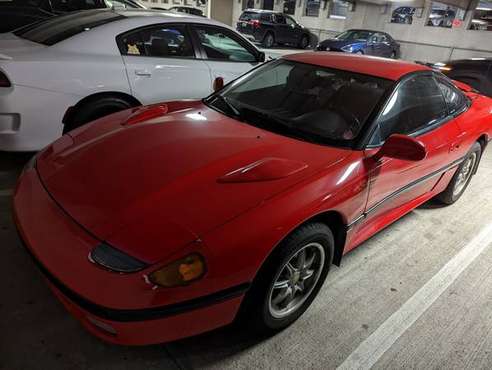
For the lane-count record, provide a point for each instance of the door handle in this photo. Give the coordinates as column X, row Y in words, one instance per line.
column 143, row 72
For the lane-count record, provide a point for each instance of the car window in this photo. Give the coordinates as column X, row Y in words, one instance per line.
column 247, row 16
column 290, row 21
column 454, row 98
column 280, row 19
column 416, row 104
column 56, row 29
column 220, row 44
column 164, row 41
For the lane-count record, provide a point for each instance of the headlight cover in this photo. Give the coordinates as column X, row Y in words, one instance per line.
column 115, row 260
column 180, row 272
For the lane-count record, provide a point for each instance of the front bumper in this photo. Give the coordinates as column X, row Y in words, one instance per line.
column 95, row 296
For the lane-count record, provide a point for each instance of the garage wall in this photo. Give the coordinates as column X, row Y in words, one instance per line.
column 418, row 41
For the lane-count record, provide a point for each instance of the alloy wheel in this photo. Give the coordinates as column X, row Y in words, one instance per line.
column 296, row 280
column 465, row 173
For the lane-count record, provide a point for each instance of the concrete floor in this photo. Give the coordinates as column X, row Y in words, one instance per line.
column 375, row 281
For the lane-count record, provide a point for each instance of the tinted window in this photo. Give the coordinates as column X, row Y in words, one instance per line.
column 247, row 16
column 164, row 41
column 416, row 104
column 60, row 28
column 354, row 35
column 280, row 19
column 454, row 98
column 305, row 101
column 221, row 44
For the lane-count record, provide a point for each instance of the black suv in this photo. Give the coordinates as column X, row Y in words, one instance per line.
column 476, row 72
column 272, row 28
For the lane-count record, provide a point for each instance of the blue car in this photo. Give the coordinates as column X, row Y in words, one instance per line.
column 363, row 42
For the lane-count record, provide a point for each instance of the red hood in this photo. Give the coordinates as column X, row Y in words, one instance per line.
column 169, row 179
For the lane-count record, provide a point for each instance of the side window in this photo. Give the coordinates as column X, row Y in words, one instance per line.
column 415, row 105
column 279, row 19
column 290, row 21
column 220, row 44
column 164, row 41
column 454, row 98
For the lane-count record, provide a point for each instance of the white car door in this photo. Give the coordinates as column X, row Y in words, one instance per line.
column 227, row 54
column 161, row 64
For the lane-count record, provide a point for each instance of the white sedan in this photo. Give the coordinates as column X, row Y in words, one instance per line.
column 66, row 71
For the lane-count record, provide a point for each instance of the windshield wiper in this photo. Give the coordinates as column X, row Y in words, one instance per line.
column 280, row 125
column 232, row 108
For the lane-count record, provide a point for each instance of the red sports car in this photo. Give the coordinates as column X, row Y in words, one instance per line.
column 165, row 221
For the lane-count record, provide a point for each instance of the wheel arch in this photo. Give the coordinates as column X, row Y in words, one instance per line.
column 483, row 140
column 72, row 110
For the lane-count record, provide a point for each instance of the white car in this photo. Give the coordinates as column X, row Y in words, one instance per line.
column 66, row 71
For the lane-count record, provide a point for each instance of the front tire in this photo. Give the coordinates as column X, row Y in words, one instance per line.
column 290, row 279
column 94, row 109
column 304, row 43
column 462, row 177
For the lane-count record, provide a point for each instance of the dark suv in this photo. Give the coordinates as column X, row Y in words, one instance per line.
column 272, row 28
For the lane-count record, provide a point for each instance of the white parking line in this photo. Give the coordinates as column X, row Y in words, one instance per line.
column 6, row 193
column 371, row 349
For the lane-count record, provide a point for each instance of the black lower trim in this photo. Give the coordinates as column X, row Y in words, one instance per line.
column 405, row 189
column 153, row 313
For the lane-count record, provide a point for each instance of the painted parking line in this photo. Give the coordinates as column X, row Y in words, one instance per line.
column 6, row 193
column 371, row 349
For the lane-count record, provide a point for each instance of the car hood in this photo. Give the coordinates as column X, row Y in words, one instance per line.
column 170, row 173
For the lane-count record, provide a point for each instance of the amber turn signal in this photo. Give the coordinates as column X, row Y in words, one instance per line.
column 180, row 272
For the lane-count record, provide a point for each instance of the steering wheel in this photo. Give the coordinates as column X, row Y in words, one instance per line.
column 353, row 122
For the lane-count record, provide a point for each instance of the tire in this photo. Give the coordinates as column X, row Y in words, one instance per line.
column 304, row 43
column 393, row 55
column 268, row 40
column 258, row 309
column 462, row 177
column 94, row 109
column 359, row 52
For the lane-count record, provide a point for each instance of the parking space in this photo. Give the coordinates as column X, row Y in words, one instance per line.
column 448, row 328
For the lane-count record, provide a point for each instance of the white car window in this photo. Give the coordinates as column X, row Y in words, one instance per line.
column 220, row 45
column 165, row 41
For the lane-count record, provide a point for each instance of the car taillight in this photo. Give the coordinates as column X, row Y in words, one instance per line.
column 255, row 23
column 4, row 81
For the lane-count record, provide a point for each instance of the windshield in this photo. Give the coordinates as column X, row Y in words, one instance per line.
column 62, row 27
column 354, row 35
column 307, row 102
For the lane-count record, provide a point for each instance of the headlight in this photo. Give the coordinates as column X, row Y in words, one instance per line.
column 348, row 48
column 180, row 272
column 115, row 260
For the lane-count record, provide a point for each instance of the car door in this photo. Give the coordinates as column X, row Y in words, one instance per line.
column 416, row 108
column 227, row 54
column 294, row 30
column 282, row 32
column 161, row 64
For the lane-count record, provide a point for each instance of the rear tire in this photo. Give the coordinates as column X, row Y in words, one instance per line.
column 94, row 109
column 268, row 40
column 287, row 283
column 462, row 177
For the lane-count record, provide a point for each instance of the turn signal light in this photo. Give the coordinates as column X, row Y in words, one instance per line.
column 180, row 272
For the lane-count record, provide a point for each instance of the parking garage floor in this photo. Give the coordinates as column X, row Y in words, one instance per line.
column 417, row 295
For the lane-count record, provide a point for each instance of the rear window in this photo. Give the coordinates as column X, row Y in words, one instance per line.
column 56, row 29
column 247, row 16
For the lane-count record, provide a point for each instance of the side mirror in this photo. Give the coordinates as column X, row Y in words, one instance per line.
column 402, row 147
column 218, row 83
column 261, row 57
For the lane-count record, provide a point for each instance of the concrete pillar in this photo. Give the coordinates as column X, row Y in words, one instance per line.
column 221, row 10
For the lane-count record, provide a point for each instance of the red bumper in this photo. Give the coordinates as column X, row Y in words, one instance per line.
column 117, row 308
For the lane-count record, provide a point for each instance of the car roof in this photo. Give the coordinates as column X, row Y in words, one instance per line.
column 266, row 11
column 374, row 66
